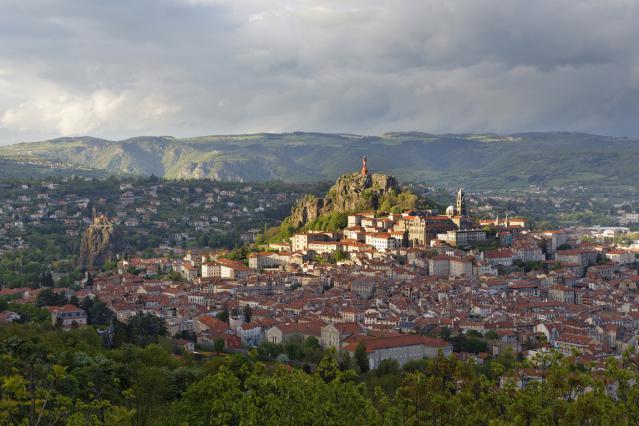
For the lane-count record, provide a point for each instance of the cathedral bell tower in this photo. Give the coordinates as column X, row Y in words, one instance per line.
column 461, row 203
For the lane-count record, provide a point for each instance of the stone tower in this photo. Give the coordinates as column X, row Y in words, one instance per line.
column 461, row 203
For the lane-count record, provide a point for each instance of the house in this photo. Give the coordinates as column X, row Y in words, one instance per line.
column 554, row 239
column 402, row 348
column 363, row 287
column 382, row 241
column 8, row 316
column 284, row 332
column 231, row 341
column 211, row 270
column 567, row 342
column 269, row 260
column 423, row 229
column 325, row 247
column 67, row 316
column 300, row 242
column 186, row 345
column 210, row 324
column 334, row 335
column 439, row 266
column 189, row 272
column 561, row 293
column 527, row 251
column 280, row 247
column 459, row 267
column 498, row 257
column 581, row 257
column 621, row 256
column 250, row 334
column 231, row 269
column 463, row 237
column 209, row 329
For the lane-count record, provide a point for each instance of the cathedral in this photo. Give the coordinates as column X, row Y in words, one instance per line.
column 459, row 209
column 459, row 212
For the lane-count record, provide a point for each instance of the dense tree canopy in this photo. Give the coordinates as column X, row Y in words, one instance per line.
column 50, row 376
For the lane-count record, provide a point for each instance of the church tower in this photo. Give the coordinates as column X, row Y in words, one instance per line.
column 461, row 203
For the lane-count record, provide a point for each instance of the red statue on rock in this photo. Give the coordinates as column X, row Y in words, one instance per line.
column 364, row 168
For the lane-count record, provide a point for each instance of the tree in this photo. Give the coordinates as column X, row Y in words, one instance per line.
column 341, row 255
column 144, row 329
column 48, row 297
column 214, row 400
column 248, row 313
column 149, row 393
column 223, row 315
column 388, row 367
column 328, row 368
column 98, row 313
column 294, row 349
column 219, row 345
column 492, row 335
column 47, row 280
column 361, row 357
column 89, row 280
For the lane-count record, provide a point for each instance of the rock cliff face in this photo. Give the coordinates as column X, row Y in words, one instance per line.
column 351, row 192
column 100, row 243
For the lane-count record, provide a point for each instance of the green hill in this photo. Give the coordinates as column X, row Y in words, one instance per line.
column 474, row 160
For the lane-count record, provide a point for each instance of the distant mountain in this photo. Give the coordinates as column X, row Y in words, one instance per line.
column 474, row 160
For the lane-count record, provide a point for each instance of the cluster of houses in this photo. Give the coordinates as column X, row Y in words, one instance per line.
column 138, row 207
column 391, row 283
column 531, row 291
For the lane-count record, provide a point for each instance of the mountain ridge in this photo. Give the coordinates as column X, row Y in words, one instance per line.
column 482, row 160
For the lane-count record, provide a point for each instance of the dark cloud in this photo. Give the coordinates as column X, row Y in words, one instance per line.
column 186, row 67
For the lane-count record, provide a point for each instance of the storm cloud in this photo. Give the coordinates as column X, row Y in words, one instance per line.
column 121, row 68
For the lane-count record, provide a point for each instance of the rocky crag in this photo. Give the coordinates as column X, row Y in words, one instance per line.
column 101, row 243
column 352, row 192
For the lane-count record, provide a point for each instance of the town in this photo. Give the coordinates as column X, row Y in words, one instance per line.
column 403, row 285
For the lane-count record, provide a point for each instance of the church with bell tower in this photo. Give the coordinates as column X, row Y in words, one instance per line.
column 459, row 211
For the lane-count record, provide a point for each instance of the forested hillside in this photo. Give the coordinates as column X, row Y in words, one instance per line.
column 477, row 161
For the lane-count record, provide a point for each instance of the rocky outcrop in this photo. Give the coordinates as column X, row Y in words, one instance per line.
column 101, row 242
column 351, row 192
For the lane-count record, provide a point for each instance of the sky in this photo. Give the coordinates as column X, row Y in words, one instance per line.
column 121, row 68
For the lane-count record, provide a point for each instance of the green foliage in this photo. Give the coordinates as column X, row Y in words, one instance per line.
column 397, row 203
column 468, row 343
column 98, row 313
column 223, row 315
column 144, row 329
column 47, row 297
column 219, row 345
column 29, row 313
column 277, row 234
column 328, row 368
column 529, row 266
column 361, row 357
column 48, row 376
column 331, row 222
column 340, row 256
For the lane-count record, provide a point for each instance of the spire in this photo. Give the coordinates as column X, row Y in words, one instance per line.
column 364, row 168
